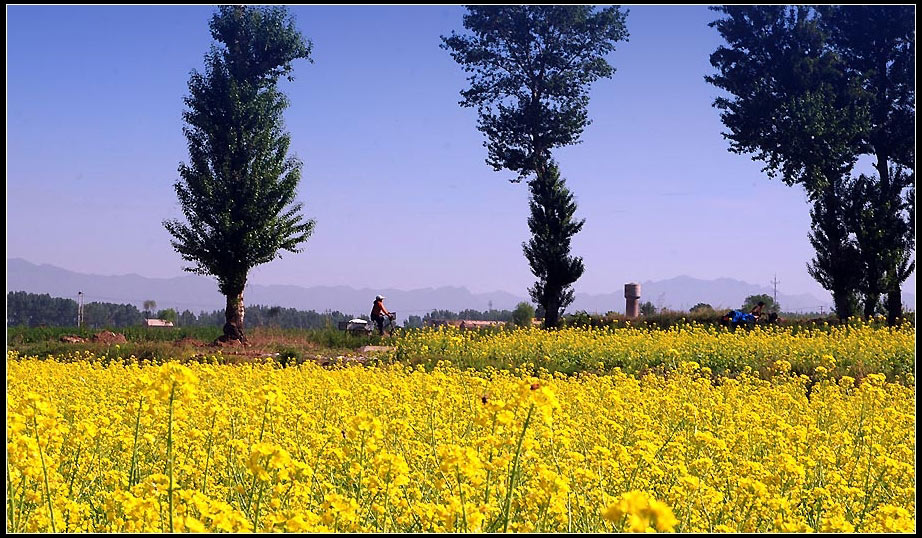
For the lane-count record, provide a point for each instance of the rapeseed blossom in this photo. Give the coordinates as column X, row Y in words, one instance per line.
column 855, row 348
column 117, row 446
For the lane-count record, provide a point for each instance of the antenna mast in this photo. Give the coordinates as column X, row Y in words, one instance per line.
column 775, row 283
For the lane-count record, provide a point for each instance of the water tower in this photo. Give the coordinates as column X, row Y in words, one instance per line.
column 632, row 299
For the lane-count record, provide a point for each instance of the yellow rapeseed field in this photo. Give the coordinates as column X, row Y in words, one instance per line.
column 856, row 349
column 116, row 446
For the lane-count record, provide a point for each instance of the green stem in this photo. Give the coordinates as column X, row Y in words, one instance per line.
column 486, row 493
column 10, row 492
column 515, row 468
column 868, row 495
column 461, row 493
column 169, row 452
column 262, row 429
column 70, row 491
column 358, row 491
column 208, row 455
column 44, row 469
column 134, row 448
column 259, row 499
column 22, row 498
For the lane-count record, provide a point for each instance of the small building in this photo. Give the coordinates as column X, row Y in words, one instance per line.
column 157, row 323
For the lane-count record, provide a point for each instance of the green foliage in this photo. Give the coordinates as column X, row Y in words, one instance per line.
column 471, row 314
column 286, row 318
column 413, row 322
column 881, row 219
column 877, row 47
column 168, row 314
column 770, row 304
column 523, row 314
column 288, row 356
column 791, row 106
column 701, row 308
column 530, row 68
column 159, row 344
column 33, row 310
column 238, row 190
column 647, row 309
column 812, row 90
column 665, row 319
column 836, row 265
column 548, row 251
column 337, row 339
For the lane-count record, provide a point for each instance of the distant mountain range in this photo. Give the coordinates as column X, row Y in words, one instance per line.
column 197, row 293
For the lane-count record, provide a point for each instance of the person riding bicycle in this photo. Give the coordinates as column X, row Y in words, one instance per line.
column 379, row 314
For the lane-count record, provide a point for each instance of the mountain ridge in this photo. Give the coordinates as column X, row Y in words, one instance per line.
column 197, row 293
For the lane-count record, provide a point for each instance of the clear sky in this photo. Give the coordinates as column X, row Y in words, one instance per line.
column 394, row 169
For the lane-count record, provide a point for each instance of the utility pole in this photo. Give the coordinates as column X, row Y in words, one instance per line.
column 79, row 309
column 775, row 283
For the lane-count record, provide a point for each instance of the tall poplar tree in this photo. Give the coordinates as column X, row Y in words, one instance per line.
column 876, row 44
column 237, row 192
column 530, row 70
column 812, row 89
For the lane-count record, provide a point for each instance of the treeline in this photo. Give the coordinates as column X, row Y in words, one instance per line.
column 34, row 310
column 269, row 316
column 471, row 314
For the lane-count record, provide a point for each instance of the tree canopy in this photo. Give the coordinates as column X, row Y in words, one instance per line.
column 810, row 90
column 530, row 70
column 753, row 300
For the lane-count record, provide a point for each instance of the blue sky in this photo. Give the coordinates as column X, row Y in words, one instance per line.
column 394, row 170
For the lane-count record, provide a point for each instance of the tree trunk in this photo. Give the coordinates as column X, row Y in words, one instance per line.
column 894, row 306
column 233, row 315
column 870, row 304
column 843, row 300
column 551, row 314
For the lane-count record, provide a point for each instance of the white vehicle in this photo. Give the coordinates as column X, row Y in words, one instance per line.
column 356, row 326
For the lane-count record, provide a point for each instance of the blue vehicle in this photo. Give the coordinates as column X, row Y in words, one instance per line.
column 735, row 318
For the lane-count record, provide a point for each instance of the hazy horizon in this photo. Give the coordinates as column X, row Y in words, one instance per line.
column 201, row 293
column 618, row 288
column 394, row 170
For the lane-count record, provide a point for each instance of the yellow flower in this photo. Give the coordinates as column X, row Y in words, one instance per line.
column 392, row 448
